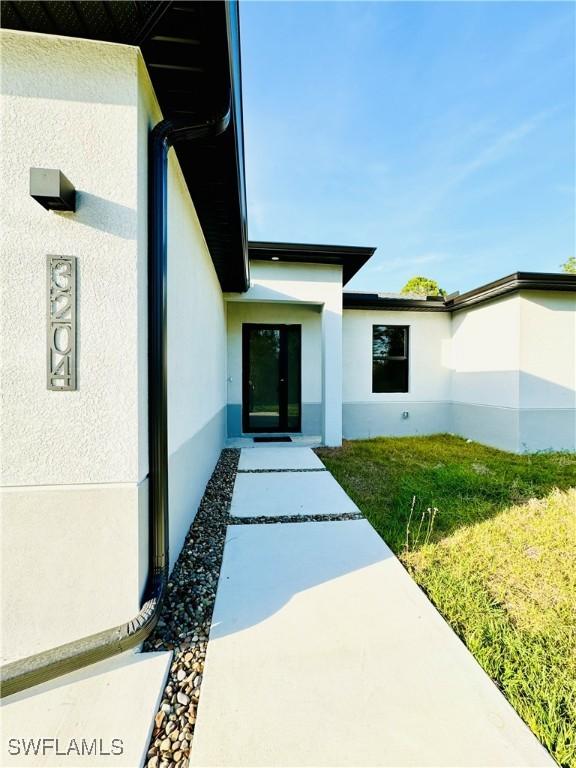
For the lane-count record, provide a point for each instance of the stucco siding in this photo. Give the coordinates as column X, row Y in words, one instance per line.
column 547, row 350
column 514, row 372
column 309, row 318
column 367, row 413
column 70, row 104
column 365, row 420
column 488, row 424
column 72, row 562
column 501, row 373
column 486, row 354
column 308, row 294
column 74, row 514
column 75, row 464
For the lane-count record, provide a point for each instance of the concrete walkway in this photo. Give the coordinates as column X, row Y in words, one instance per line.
column 324, row 652
column 101, row 715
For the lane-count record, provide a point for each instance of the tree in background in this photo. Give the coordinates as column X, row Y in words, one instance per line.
column 423, row 286
column 570, row 265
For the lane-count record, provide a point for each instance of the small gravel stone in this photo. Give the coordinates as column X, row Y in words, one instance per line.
column 184, row 624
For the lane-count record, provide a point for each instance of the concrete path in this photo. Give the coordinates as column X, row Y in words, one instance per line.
column 269, row 458
column 280, row 494
column 324, row 652
column 98, row 716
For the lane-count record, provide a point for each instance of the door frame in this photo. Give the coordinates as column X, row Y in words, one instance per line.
column 283, row 375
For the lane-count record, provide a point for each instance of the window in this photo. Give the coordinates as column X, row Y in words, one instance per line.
column 390, row 358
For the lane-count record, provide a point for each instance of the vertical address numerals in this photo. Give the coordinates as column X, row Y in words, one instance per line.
column 61, row 340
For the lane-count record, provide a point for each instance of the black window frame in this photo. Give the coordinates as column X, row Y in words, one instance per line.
column 406, row 357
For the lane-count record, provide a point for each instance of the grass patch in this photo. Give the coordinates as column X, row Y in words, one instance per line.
column 499, row 563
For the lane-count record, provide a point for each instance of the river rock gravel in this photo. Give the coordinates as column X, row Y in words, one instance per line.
column 184, row 623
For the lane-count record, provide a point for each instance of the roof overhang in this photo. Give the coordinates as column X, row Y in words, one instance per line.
column 375, row 301
column 518, row 281
column 350, row 258
column 192, row 52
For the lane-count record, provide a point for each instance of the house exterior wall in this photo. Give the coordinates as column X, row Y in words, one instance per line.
column 196, row 361
column 514, row 372
column 310, row 318
column 306, row 286
column 74, row 464
column 74, row 523
column 367, row 413
column 485, row 373
column 502, row 373
column 547, row 383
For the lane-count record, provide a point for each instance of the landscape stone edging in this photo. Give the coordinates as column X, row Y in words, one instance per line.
column 186, row 616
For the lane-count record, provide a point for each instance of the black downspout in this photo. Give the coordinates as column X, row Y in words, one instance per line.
column 33, row 670
column 164, row 135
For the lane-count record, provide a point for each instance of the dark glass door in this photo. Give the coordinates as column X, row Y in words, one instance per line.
column 271, row 378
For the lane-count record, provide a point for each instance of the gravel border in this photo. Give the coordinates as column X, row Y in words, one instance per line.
column 260, row 471
column 184, row 623
column 295, row 519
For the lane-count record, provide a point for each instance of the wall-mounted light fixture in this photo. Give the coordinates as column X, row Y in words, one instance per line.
column 52, row 190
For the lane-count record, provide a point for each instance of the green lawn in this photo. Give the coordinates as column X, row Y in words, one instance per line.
column 497, row 558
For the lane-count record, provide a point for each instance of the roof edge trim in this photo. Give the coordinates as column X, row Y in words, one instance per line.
column 517, row 281
column 351, row 257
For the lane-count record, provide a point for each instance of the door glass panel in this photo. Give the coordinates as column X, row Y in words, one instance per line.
column 264, row 379
column 293, row 377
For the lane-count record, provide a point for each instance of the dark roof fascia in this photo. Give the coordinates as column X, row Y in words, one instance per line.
column 373, row 301
column 517, row 281
column 350, row 258
column 233, row 31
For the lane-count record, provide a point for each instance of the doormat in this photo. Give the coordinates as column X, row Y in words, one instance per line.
column 280, row 439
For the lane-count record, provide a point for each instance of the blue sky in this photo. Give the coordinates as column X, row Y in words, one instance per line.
column 441, row 133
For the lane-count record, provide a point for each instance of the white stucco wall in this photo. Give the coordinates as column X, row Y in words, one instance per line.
column 368, row 413
column 277, row 284
column 502, row 373
column 486, row 353
column 196, row 361
column 74, row 464
column 547, row 350
column 486, row 372
column 70, row 104
column 547, row 384
column 306, row 315
column 514, row 372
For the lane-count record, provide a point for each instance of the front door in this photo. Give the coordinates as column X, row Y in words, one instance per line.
column 271, row 378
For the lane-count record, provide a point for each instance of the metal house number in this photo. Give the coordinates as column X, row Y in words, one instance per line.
column 61, row 340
